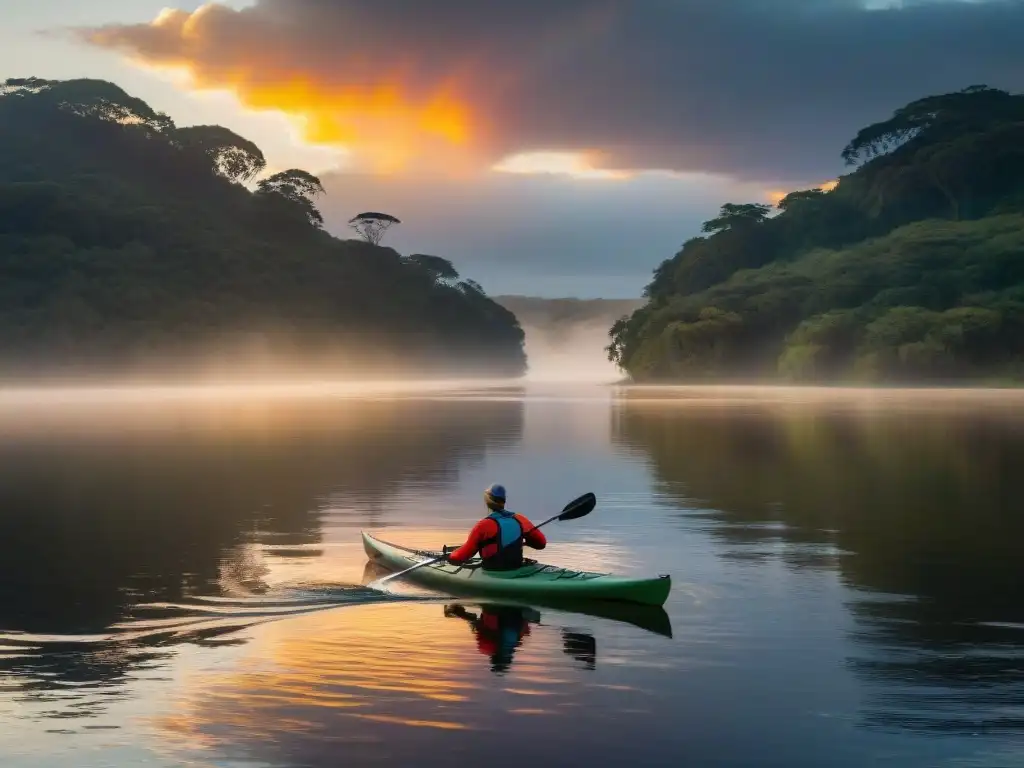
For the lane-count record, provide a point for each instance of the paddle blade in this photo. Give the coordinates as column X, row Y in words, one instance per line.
column 582, row 506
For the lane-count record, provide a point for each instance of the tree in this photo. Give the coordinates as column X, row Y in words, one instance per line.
column 701, row 346
column 371, row 225
column 440, row 269
column 471, row 288
column 234, row 157
column 299, row 188
column 946, row 114
column 617, row 346
column 986, row 162
column 294, row 184
column 821, row 346
column 737, row 216
column 801, row 196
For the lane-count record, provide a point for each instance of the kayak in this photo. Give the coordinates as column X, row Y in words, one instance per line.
column 651, row 618
column 533, row 580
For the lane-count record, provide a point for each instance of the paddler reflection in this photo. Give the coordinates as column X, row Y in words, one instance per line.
column 501, row 629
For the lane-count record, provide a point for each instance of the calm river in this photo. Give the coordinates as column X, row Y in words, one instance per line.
column 182, row 581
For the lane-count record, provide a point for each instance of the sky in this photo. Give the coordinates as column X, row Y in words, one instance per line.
column 552, row 148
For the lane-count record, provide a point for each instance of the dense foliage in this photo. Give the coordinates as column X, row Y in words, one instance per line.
column 129, row 243
column 911, row 268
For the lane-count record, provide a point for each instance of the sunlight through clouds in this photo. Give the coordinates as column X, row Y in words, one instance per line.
column 579, row 165
column 534, row 87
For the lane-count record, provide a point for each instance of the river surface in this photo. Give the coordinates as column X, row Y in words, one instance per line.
column 182, row 581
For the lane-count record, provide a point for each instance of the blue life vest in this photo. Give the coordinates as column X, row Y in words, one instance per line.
column 504, row 552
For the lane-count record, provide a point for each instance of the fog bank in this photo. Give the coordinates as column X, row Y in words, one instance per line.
column 566, row 338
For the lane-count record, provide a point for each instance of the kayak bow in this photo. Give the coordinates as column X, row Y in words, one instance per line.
column 533, row 580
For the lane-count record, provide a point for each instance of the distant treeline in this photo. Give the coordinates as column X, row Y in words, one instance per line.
column 910, row 269
column 130, row 244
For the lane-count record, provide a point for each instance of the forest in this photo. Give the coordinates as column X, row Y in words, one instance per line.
column 132, row 246
column 910, row 269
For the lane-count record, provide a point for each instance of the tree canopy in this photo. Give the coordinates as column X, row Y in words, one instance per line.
column 441, row 269
column 737, row 216
column 371, row 225
column 295, row 189
column 128, row 244
column 909, row 269
column 235, row 158
column 89, row 98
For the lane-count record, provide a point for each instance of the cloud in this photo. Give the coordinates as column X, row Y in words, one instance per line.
column 765, row 90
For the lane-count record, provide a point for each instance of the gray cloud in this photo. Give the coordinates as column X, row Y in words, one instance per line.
column 760, row 89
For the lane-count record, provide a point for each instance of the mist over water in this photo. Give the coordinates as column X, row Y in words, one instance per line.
column 574, row 354
column 566, row 339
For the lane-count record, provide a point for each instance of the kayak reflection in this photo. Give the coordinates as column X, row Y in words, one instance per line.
column 581, row 646
column 650, row 618
column 499, row 630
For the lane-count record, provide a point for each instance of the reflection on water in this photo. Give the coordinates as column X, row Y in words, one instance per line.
column 917, row 506
column 112, row 506
column 367, row 677
column 499, row 630
column 182, row 581
column 67, row 671
column 103, row 510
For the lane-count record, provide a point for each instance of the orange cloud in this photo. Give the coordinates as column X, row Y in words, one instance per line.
column 383, row 124
column 688, row 86
column 378, row 115
column 582, row 165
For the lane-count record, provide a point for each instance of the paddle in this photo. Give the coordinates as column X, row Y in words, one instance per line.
column 574, row 510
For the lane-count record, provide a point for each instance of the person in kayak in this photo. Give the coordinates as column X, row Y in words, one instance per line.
column 499, row 537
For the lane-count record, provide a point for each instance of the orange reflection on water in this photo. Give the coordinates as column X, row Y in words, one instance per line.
column 414, row 723
column 348, row 673
column 366, row 663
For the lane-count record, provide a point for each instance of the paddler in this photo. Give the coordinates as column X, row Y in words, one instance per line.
column 499, row 537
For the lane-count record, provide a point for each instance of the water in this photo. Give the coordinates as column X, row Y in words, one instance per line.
column 181, row 579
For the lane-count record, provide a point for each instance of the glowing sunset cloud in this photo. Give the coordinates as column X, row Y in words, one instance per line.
column 391, row 106
column 382, row 124
column 761, row 92
column 377, row 116
column 583, row 165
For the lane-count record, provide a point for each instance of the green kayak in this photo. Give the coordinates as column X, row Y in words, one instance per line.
column 533, row 580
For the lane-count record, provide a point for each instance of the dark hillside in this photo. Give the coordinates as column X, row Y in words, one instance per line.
column 910, row 269
column 130, row 245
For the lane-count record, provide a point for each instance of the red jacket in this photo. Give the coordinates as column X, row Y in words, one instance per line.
column 488, row 528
